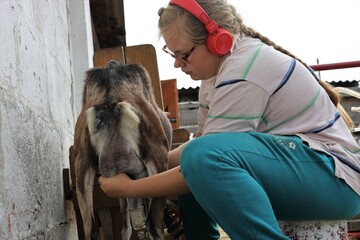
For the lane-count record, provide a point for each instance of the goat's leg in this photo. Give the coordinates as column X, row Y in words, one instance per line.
column 126, row 229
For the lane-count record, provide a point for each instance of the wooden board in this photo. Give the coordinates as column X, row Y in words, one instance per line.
column 170, row 100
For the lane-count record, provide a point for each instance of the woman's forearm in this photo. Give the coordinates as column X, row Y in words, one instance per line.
column 168, row 183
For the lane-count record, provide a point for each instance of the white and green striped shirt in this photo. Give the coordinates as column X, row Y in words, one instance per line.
column 261, row 89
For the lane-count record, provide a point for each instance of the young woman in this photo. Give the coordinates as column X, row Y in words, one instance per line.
column 273, row 141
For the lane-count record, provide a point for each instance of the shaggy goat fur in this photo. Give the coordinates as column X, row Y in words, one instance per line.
column 120, row 129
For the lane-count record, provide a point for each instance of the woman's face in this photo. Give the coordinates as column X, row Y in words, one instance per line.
column 194, row 60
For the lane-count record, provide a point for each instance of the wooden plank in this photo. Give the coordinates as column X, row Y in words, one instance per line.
column 170, row 100
column 145, row 55
column 180, row 136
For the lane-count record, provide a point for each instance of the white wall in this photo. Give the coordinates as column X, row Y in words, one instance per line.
column 41, row 71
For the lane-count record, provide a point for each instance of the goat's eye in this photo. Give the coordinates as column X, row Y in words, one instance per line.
column 99, row 123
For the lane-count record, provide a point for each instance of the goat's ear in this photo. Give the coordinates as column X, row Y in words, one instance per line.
column 90, row 120
column 91, row 155
column 129, row 124
column 129, row 114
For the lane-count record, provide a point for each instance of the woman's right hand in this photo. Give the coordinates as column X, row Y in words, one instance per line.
column 117, row 186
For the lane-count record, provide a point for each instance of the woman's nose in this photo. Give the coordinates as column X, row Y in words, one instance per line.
column 179, row 63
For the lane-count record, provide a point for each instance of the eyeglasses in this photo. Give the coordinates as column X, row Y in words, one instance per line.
column 179, row 56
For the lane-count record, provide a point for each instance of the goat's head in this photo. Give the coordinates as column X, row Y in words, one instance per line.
column 124, row 113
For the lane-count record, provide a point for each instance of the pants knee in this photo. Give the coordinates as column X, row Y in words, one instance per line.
column 195, row 158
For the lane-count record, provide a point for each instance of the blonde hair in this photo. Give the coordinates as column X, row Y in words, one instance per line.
column 177, row 22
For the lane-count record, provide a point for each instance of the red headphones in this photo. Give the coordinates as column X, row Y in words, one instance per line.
column 219, row 40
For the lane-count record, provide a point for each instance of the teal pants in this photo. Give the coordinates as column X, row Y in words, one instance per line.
column 246, row 182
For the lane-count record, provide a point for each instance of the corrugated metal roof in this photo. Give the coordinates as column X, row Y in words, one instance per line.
column 344, row 83
column 191, row 93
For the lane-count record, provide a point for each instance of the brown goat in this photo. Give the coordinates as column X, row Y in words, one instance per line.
column 120, row 129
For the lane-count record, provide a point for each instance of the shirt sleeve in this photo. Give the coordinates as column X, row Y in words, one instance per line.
column 235, row 106
column 205, row 87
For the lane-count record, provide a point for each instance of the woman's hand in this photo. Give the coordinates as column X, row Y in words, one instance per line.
column 117, row 186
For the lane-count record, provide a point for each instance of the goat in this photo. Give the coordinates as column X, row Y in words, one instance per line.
column 120, row 129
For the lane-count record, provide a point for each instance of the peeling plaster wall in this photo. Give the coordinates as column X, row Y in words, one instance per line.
column 37, row 118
